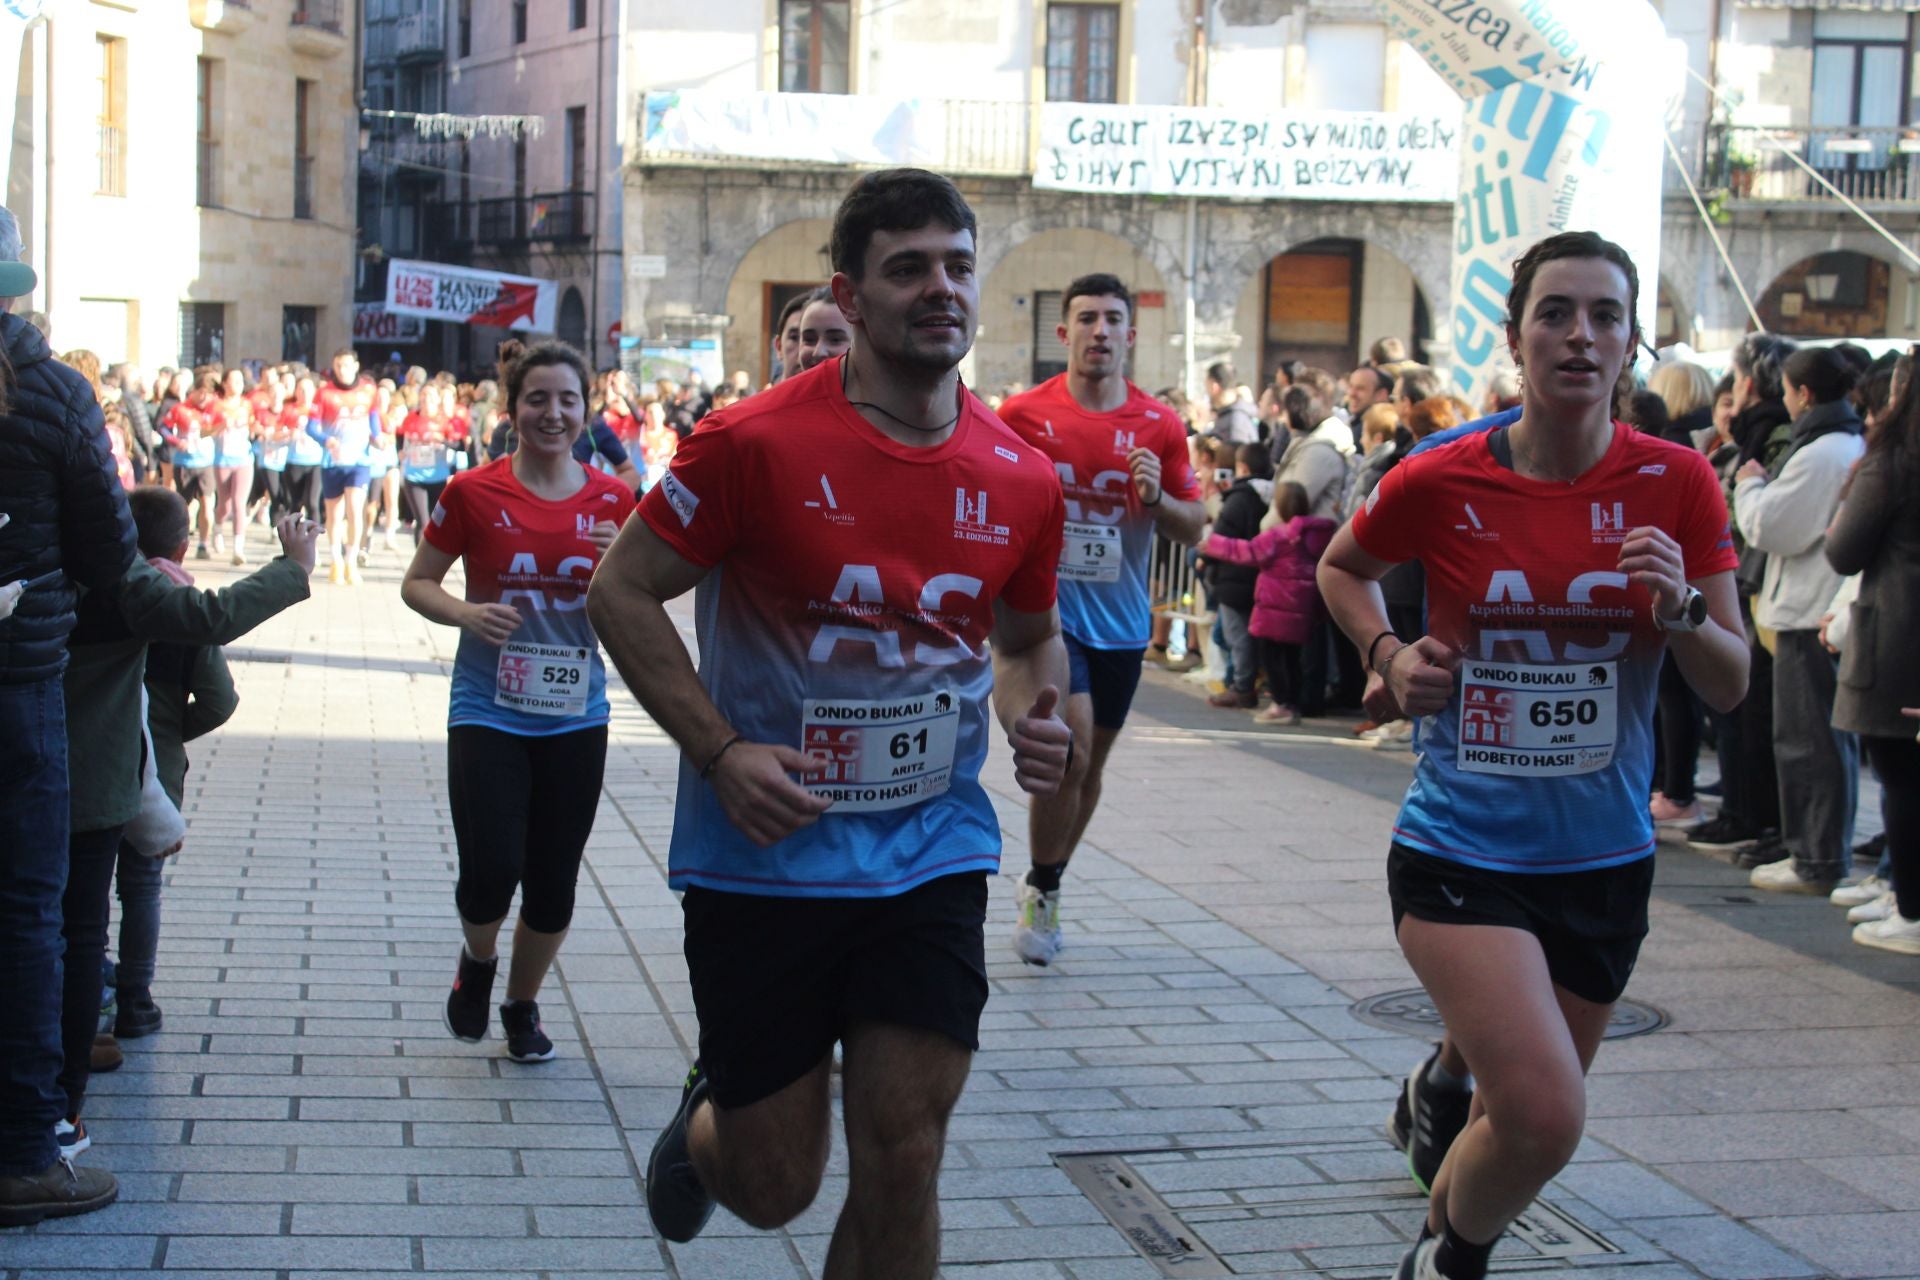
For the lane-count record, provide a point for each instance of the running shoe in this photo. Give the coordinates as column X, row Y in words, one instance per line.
column 72, row 1137
column 1859, row 892
column 470, row 1003
column 1276, row 713
column 1895, row 933
column 201, row 552
column 1784, row 877
column 1036, row 933
column 1435, row 1117
column 526, row 1041
column 1418, row 1264
column 1868, row 912
column 677, row 1203
column 1723, row 832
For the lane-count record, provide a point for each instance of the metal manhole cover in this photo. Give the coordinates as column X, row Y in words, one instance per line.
column 1338, row 1205
column 1412, row 1013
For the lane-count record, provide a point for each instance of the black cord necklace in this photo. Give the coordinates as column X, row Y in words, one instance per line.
column 877, row 408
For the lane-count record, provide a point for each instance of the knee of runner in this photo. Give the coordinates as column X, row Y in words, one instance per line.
column 898, row 1164
column 769, row 1191
column 1544, row 1129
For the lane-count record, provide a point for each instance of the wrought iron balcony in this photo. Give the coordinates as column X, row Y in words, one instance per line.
column 1870, row 165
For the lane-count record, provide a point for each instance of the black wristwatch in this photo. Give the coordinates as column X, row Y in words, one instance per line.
column 1693, row 612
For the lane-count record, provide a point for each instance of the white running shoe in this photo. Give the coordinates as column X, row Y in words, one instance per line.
column 1868, row 912
column 1036, row 934
column 1859, row 893
column 1895, row 933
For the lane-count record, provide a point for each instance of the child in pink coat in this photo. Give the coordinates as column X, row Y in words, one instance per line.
column 1286, row 600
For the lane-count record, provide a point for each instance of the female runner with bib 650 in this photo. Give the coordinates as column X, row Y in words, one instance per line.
column 1563, row 554
column 527, row 724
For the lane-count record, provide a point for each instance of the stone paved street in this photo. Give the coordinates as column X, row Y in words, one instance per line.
column 304, row 1114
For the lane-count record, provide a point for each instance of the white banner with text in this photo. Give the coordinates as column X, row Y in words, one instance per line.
column 436, row 291
column 1268, row 155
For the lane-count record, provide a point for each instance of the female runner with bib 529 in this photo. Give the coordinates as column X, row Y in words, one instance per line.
column 527, row 720
column 1563, row 554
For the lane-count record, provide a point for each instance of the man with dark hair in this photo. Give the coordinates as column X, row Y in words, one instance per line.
column 1123, row 464
column 844, row 640
column 1233, row 417
column 1414, row 383
column 1367, row 386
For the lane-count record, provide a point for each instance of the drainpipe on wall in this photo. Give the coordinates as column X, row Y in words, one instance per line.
column 1196, row 97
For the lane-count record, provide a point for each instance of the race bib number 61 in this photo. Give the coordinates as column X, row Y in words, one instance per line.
column 1530, row 720
column 882, row 755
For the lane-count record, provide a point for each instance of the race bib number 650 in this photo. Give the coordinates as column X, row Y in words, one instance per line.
column 1531, row 720
column 874, row 756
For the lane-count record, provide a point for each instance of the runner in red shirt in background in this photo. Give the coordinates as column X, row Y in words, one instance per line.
column 527, row 720
column 343, row 422
column 1124, row 467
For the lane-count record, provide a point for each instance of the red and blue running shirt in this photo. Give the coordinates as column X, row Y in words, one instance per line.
column 1543, row 759
column 847, row 614
column 1105, row 602
column 535, row 555
column 345, row 415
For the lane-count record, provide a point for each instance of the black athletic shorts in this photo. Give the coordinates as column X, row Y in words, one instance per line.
column 1590, row 923
column 776, row 981
column 1111, row 676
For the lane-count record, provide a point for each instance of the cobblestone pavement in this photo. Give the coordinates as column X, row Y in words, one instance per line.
column 304, row 1114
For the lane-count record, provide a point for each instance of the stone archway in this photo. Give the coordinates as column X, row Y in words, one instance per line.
column 1015, row 337
column 790, row 254
column 1836, row 293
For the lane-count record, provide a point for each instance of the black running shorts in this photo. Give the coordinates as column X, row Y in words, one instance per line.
column 776, row 981
column 1590, row 923
column 1109, row 676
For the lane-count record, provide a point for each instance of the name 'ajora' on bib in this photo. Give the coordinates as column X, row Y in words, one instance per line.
column 543, row 679
column 878, row 755
column 1090, row 552
column 1537, row 720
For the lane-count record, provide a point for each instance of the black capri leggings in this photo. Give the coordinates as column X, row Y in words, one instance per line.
column 522, row 810
column 421, row 500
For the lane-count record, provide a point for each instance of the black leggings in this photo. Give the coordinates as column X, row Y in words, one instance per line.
column 421, row 500
column 1679, row 739
column 522, row 811
column 1897, row 762
column 1282, row 665
column 300, row 490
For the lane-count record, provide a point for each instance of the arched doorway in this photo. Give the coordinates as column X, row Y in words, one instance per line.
column 1020, row 302
column 1673, row 322
column 571, row 326
column 1839, row 294
column 1326, row 303
column 786, row 261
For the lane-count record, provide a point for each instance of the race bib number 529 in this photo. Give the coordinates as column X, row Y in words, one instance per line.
column 1533, row 720
column 882, row 755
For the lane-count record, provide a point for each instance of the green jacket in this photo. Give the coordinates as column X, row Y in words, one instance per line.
column 108, row 659
column 189, row 693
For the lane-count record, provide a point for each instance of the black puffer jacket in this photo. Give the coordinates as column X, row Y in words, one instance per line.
column 61, row 493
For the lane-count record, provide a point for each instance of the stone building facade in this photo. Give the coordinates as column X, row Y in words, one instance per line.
column 201, row 208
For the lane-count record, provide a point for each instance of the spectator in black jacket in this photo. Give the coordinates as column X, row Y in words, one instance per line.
column 1232, row 584
column 67, row 523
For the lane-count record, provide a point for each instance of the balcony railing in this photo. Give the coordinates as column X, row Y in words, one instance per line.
column 113, row 161
column 417, row 37
column 323, row 14
column 303, row 187
column 554, row 217
column 812, row 130
column 1871, row 165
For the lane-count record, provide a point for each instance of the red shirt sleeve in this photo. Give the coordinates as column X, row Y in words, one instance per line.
column 1392, row 524
column 696, row 506
column 1034, row 585
column 1705, row 534
column 447, row 529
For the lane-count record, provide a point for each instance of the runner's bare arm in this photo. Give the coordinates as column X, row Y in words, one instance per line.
column 1029, row 680
column 1350, row 584
column 422, row 592
column 627, row 605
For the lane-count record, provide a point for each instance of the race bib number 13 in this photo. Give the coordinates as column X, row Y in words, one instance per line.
column 880, row 755
column 1528, row 720
column 1090, row 553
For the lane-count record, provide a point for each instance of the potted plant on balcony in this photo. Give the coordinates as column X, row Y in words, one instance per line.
column 1740, row 166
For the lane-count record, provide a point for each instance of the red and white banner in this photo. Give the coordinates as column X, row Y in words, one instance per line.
column 373, row 323
column 436, row 291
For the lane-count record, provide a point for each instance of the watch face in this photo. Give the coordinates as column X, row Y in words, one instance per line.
column 1696, row 608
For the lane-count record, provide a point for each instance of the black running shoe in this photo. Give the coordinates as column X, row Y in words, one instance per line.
column 1437, row 1117
column 1400, row 1127
column 677, row 1203
column 526, row 1042
column 1767, row 849
column 470, row 1003
column 1721, row 833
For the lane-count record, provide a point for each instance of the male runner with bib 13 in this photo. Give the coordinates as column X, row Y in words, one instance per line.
column 831, row 834
column 1124, row 469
